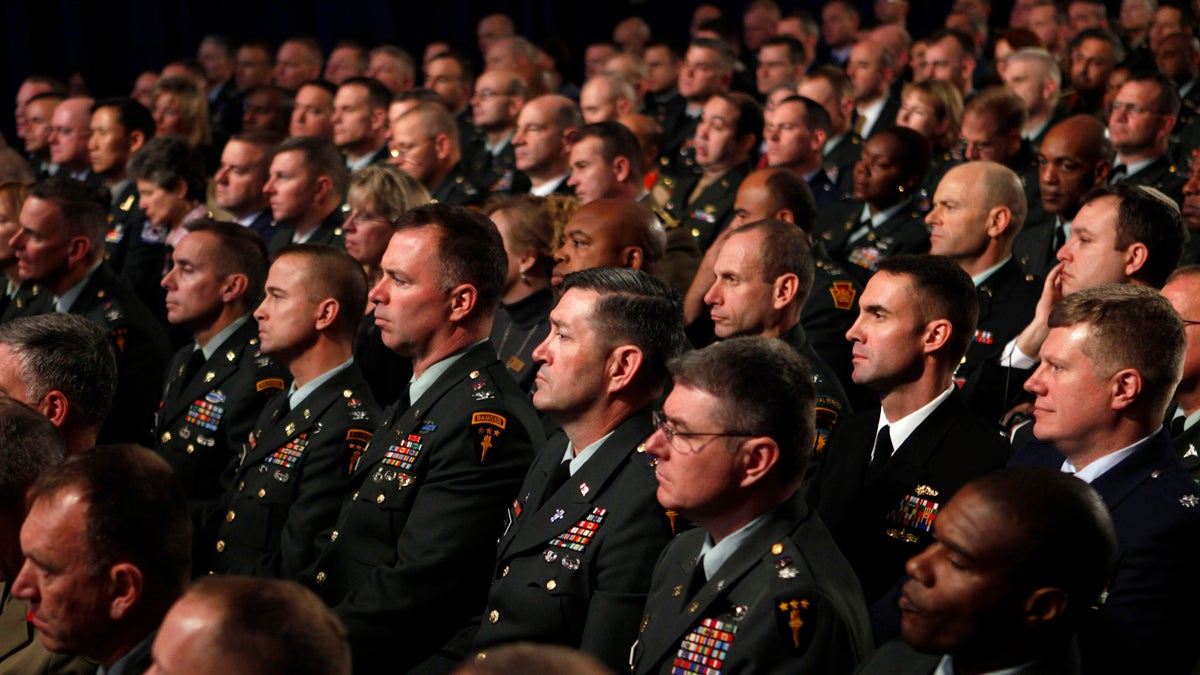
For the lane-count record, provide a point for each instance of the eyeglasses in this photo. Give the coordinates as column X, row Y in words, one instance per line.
column 1190, row 323
column 660, row 422
column 1132, row 109
column 401, row 151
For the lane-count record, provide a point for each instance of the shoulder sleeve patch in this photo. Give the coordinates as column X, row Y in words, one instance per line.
column 487, row 430
column 271, row 383
column 793, row 614
column 356, row 443
column 843, row 293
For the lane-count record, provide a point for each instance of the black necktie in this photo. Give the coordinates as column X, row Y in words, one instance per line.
column 698, row 578
column 194, row 363
column 883, row 450
column 1118, row 173
column 559, row 476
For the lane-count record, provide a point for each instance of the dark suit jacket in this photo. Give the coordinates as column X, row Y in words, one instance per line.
column 328, row 232
column 413, row 548
column 1163, row 175
column 1034, row 247
column 1150, row 613
column 292, row 475
column 263, row 224
column 897, row 658
column 877, row 518
column 784, row 602
column 904, row 232
column 887, row 118
column 1006, row 303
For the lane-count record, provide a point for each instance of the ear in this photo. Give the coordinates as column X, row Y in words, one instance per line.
column 747, row 143
column 462, row 302
column 633, row 257
column 55, row 407
column 968, row 66
column 818, row 139
column 569, row 137
column 137, row 138
column 234, row 288
column 1045, row 605
column 999, row 219
column 78, row 249
column 327, row 313
column 1166, row 124
column 1135, row 258
column 620, row 168
column 442, row 146
column 1049, row 89
column 1103, row 168
column 1126, row 386
column 180, row 189
column 527, row 261
column 937, row 334
column 624, row 107
column 324, row 188
column 784, row 290
column 125, row 589
column 761, row 456
column 379, row 119
column 622, row 367
column 515, row 103
column 785, row 215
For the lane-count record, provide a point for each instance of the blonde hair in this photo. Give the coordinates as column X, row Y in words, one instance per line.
column 193, row 104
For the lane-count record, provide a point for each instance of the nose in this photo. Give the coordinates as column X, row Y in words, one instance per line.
column 222, row 175
column 269, row 187
column 973, row 153
column 560, row 256
column 541, row 354
column 168, row 280
column 918, row 567
column 23, row 586
column 712, row 297
column 260, row 312
column 656, row 445
column 376, row 294
column 934, row 217
column 17, row 241
column 1034, row 384
column 854, row 334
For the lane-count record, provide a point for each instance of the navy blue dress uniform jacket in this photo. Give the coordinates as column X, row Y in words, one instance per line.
column 412, row 551
column 1149, row 617
column 1007, row 300
column 203, row 421
column 785, row 602
column 881, row 519
column 292, row 476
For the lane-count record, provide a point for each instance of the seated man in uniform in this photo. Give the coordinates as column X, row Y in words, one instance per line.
column 294, row 469
column 425, row 145
column 412, row 550
column 602, row 367
column 759, row 581
column 63, row 366
column 610, row 233
column 1021, row 556
column 305, row 187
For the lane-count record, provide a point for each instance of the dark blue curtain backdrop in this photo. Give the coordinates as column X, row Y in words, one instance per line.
column 111, row 41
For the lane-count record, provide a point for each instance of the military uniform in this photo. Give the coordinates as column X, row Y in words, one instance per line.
column 206, row 414
column 30, row 299
column 328, row 232
column 902, row 232
column 518, row 329
column 824, row 190
column 708, row 214
column 669, row 109
column 21, row 650
column 141, row 348
column 1163, row 175
column 785, row 602
column 1034, row 249
column 1186, row 440
column 571, row 566
column 832, row 405
column 386, row 372
column 829, row 311
column 457, row 189
column 1006, row 302
column 125, row 220
column 940, row 163
column 413, row 547
column 881, row 517
column 897, row 658
column 681, row 257
column 292, row 477
column 841, row 158
column 497, row 173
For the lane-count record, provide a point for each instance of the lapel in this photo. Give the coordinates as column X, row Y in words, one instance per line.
column 301, row 419
column 1118, row 482
column 664, row 633
column 535, row 528
column 1187, row 449
column 908, row 462
column 220, row 366
column 95, row 291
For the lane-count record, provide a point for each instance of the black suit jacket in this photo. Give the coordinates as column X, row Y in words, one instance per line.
column 897, row 658
column 1006, row 303
column 413, row 547
column 328, row 232
column 784, row 602
column 887, row 117
column 1150, row 613
column 1034, row 248
column 263, row 224
column 882, row 519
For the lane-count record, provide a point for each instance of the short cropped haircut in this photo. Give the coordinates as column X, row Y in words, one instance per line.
column 464, row 64
column 750, row 115
column 1002, row 187
column 470, row 251
column 1065, row 533
column 332, row 273
column 321, row 158
column 1132, row 327
column 66, row 353
column 378, row 96
column 1150, row 217
column 616, row 140
column 82, row 209
column 634, row 308
column 1045, row 61
column 408, row 66
column 966, row 43
column 167, row 161
column 1167, row 101
column 29, row 444
column 815, row 115
column 784, row 250
column 836, row 78
column 131, row 115
column 435, row 120
column 940, row 290
column 795, row 48
column 239, row 251
column 1103, row 35
column 389, row 190
column 136, row 512
column 790, row 191
column 319, row 83
column 312, row 48
column 264, row 139
column 725, row 59
column 275, row 627
column 532, row 227
column 780, row 407
column 1004, row 107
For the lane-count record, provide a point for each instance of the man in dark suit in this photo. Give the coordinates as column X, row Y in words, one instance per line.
column 245, row 167
column 887, row 471
column 602, row 367
column 218, row 383
column 292, row 474
column 412, row 550
column 1110, row 362
column 759, row 583
column 834, row 91
column 1182, row 290
column 60, row 246
column 872, row 69
column 1021, row 556
column 305, row 188
column 106, row 543
column 425, row 145
column 546, row 129
column 978, row 209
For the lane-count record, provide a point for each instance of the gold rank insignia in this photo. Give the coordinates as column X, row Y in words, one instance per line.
column 487, row 429
column 793, row 614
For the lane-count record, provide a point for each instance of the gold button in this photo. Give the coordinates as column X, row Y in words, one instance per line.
column 190, row 449
column 551, row 585
column 320, row 577
column 494, row 616
column 166, row 437
column 333, row 537
column 220, row 547
column 230, row 516
column 262, row 492
column 379, row 499
column 241, row 486
column 776, row 549
column 355, row 497
column 505, row 572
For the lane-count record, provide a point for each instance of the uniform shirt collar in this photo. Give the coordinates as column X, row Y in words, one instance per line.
column 297, row 396
column 577, row 461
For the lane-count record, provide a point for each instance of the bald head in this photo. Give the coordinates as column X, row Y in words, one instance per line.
column 978, row 209
column 1075, row 156
column 606, row 97
column 775, row 193
column 993, row 185
column 546, row 128
column 896, row 39
column 610, row 233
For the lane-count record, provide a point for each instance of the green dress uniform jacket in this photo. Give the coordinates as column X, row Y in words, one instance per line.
column 457, row 189
column 292, row 476
column 709, row 213
column 21, row 650
column 204, row 421
column 412, row 551
column 903, row 232
column 328, row 232
column 785, row 602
